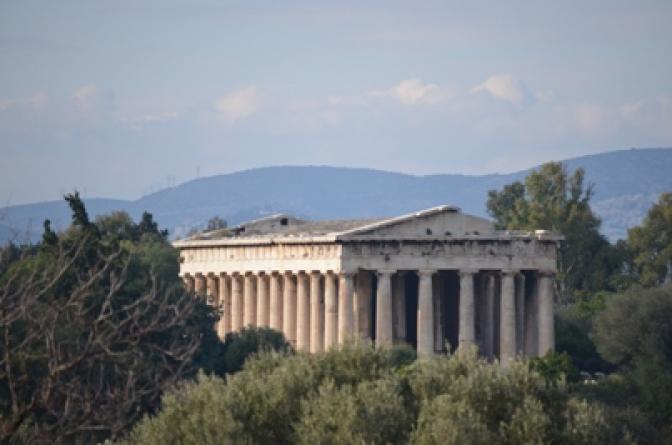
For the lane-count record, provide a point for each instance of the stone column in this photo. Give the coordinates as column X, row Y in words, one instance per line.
column 384, row 333
column 345, row 308
column 275, row 289
column 507, row 323
column 189, row 284
column 250, row 301
column 425, row 312
column 262, row 300
column 520, row 315
column 302, row 312
column 212, row 290
column 289, row 308
column 200, row 285
column 466, row 335
column 546, row 327
column 362, row 304
column 225, row 306
column 489, row 322
column 399, row 305
column 316, row 313
column 236, row 302
column 437, row 310
column 331, row 311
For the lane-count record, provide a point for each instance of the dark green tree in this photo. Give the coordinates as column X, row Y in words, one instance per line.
column 634, row 332
column 553, row 199
column 651, row 244
column 94, row 326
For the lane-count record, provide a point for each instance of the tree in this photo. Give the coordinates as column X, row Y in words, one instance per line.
column 215, row 223
column 359, row 394
column 94, row 326
column 239, row 346
column 552, row 199
column 651, row 244
column 634, row 332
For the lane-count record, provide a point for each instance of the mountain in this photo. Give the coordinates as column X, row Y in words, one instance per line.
column 626, row 183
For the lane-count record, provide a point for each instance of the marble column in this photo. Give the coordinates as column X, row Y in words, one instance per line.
column 212, row 290
column 345, row 308
column 384, row 333
column 425, row 312
column 199, row 284
column 189, row 283
column 489, row 322
column 331, row 311
column 225, row 306
column 316, row 313
column 236, row 302
column 362, row 304
column 466, row 335
column 289, row 308
column 507, row 323
column 262, row 300
column 302, row 312
column 250, row 301
column 437, row 287
column 275, row 291
column 520, row 314
column 399, row 305
column 545, row 317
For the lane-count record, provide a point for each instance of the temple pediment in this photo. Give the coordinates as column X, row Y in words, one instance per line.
column 437, row 222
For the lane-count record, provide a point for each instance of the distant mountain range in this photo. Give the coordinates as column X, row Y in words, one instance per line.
column 626, row 182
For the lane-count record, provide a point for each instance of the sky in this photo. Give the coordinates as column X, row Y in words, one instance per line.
column 121, row 98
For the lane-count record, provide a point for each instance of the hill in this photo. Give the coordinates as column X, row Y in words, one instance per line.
column 626, row 183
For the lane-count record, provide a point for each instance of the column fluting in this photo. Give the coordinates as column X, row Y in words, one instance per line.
column 316, row 313
column 425, row 312
column 345, row 308
column 384, row 330
column 302, row 312
column 466, row 335
column 507, row 323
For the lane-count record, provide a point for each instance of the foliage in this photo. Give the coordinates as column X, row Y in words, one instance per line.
column 573, row 327
column 195, row 413
column 240, row 345
column 215, row 223
column 634, row 332
column 552, row 199
column 359, row 394
column 94, row 325
column 651, row 244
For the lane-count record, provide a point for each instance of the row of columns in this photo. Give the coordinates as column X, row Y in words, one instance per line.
column 316, row 310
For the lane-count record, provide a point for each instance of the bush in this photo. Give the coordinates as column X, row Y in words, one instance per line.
column 358, row 394
column 239, row 346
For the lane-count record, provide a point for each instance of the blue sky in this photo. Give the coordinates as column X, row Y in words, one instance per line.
column 116, row 98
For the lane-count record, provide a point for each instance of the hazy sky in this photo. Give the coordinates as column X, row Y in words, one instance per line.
column 117, row 97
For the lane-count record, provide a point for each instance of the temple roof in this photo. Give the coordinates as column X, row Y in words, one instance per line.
column 437, row 223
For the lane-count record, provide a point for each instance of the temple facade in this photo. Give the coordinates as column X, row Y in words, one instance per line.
column 438, row 279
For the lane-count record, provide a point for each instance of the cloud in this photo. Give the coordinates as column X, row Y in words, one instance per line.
column 504, row 87
column 238, row 104
column 85, row 97
column 37, row 101
column 407, row 92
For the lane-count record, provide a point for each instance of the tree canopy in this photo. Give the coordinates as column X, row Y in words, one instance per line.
column 552, row 199
column 94, row 326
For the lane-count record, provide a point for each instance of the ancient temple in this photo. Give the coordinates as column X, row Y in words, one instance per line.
column 437, row 279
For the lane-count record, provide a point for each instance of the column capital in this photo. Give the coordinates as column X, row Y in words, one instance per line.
column 429, row 272
column 346, row 274
column 199, row 274
column 546, row 272
column 512, row 272
column 385, row 271
column 315, row 272
column 464, row 272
